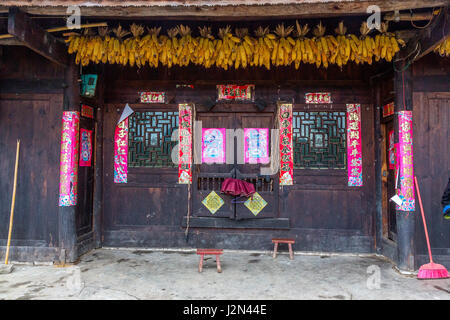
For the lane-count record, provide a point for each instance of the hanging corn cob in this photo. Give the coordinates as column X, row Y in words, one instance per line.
column 227, row 50
column 180, row 48
column 205, row 52
column 170, row 48
column 282, row 54
column 444, row 48
column 152, row 47
column 388, row 44
column 117, row 49
column 300, row 48
column 103, row 32
column 366, row 44
column 262, row 48
column 333, row 48
column 319, row 46
column 344, row 47
column 133, row 46
column 244, row 49
column 186, row 47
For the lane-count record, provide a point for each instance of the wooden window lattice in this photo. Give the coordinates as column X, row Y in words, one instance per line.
column 319, row 140
column 149, row 142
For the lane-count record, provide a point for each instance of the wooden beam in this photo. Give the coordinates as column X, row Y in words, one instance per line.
column 435, row 34
column 58, row 29
column 10, row 42
column 221, row 9
column 20, row 86
column 409, row 16
column 34, row 37
column 206, row 222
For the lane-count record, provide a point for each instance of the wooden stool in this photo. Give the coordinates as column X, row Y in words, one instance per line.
column 276, row 241
column 216, row 252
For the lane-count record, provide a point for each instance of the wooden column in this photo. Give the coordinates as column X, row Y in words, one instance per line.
column 98, row 170
column 378, row 214
column 66, row 215
column 405, row 220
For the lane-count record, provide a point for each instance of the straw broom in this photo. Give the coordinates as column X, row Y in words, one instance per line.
column 430, row 270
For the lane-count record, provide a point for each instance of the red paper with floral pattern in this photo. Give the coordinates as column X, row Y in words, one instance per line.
column 354, row 148
column 318, row 97
column 121, row 152
column 406, row 162
column 185, row 144
column 235, row 92
column 68, row 181
column 85, row 147
column 286, row 151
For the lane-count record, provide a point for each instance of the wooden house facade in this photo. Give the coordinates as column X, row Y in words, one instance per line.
column 40, row 82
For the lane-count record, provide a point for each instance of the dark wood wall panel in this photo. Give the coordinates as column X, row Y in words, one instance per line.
column 149, row 206
column 31, row 98
column 431, row 117
column 35, row 120
column 431, row 132
column 325, row 214
column 325, row 209
column 21, row 63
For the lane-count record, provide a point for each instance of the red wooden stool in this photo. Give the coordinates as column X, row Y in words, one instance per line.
column 202, row 253
column 276, row 241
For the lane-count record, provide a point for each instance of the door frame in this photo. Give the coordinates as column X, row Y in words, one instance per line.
column 234, row 172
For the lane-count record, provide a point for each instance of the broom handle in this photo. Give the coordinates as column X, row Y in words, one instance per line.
column 13, row 202
column 423, row 218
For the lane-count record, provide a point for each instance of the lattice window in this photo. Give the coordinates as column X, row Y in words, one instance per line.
column 149, row 139
column 319, row 140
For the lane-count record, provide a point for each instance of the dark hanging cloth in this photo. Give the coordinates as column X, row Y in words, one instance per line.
column 237, row 187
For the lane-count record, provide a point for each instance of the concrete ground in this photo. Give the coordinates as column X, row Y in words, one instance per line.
column 152, row 274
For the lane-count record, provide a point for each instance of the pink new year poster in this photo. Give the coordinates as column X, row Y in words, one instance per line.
column 256, row 145
column 213, row 145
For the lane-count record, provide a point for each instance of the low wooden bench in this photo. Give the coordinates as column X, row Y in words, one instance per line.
column 276, row 241
column 216, row 252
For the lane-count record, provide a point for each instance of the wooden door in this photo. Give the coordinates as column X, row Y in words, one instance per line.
column 209, row 177
column 390, row 181
column 266, row 186
column 84, row 217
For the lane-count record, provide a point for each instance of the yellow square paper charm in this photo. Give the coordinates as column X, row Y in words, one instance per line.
column 255, row 204
column 213, row 202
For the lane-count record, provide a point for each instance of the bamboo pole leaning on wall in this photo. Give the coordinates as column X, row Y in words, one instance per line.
column 57, row 29
column 11, row 218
